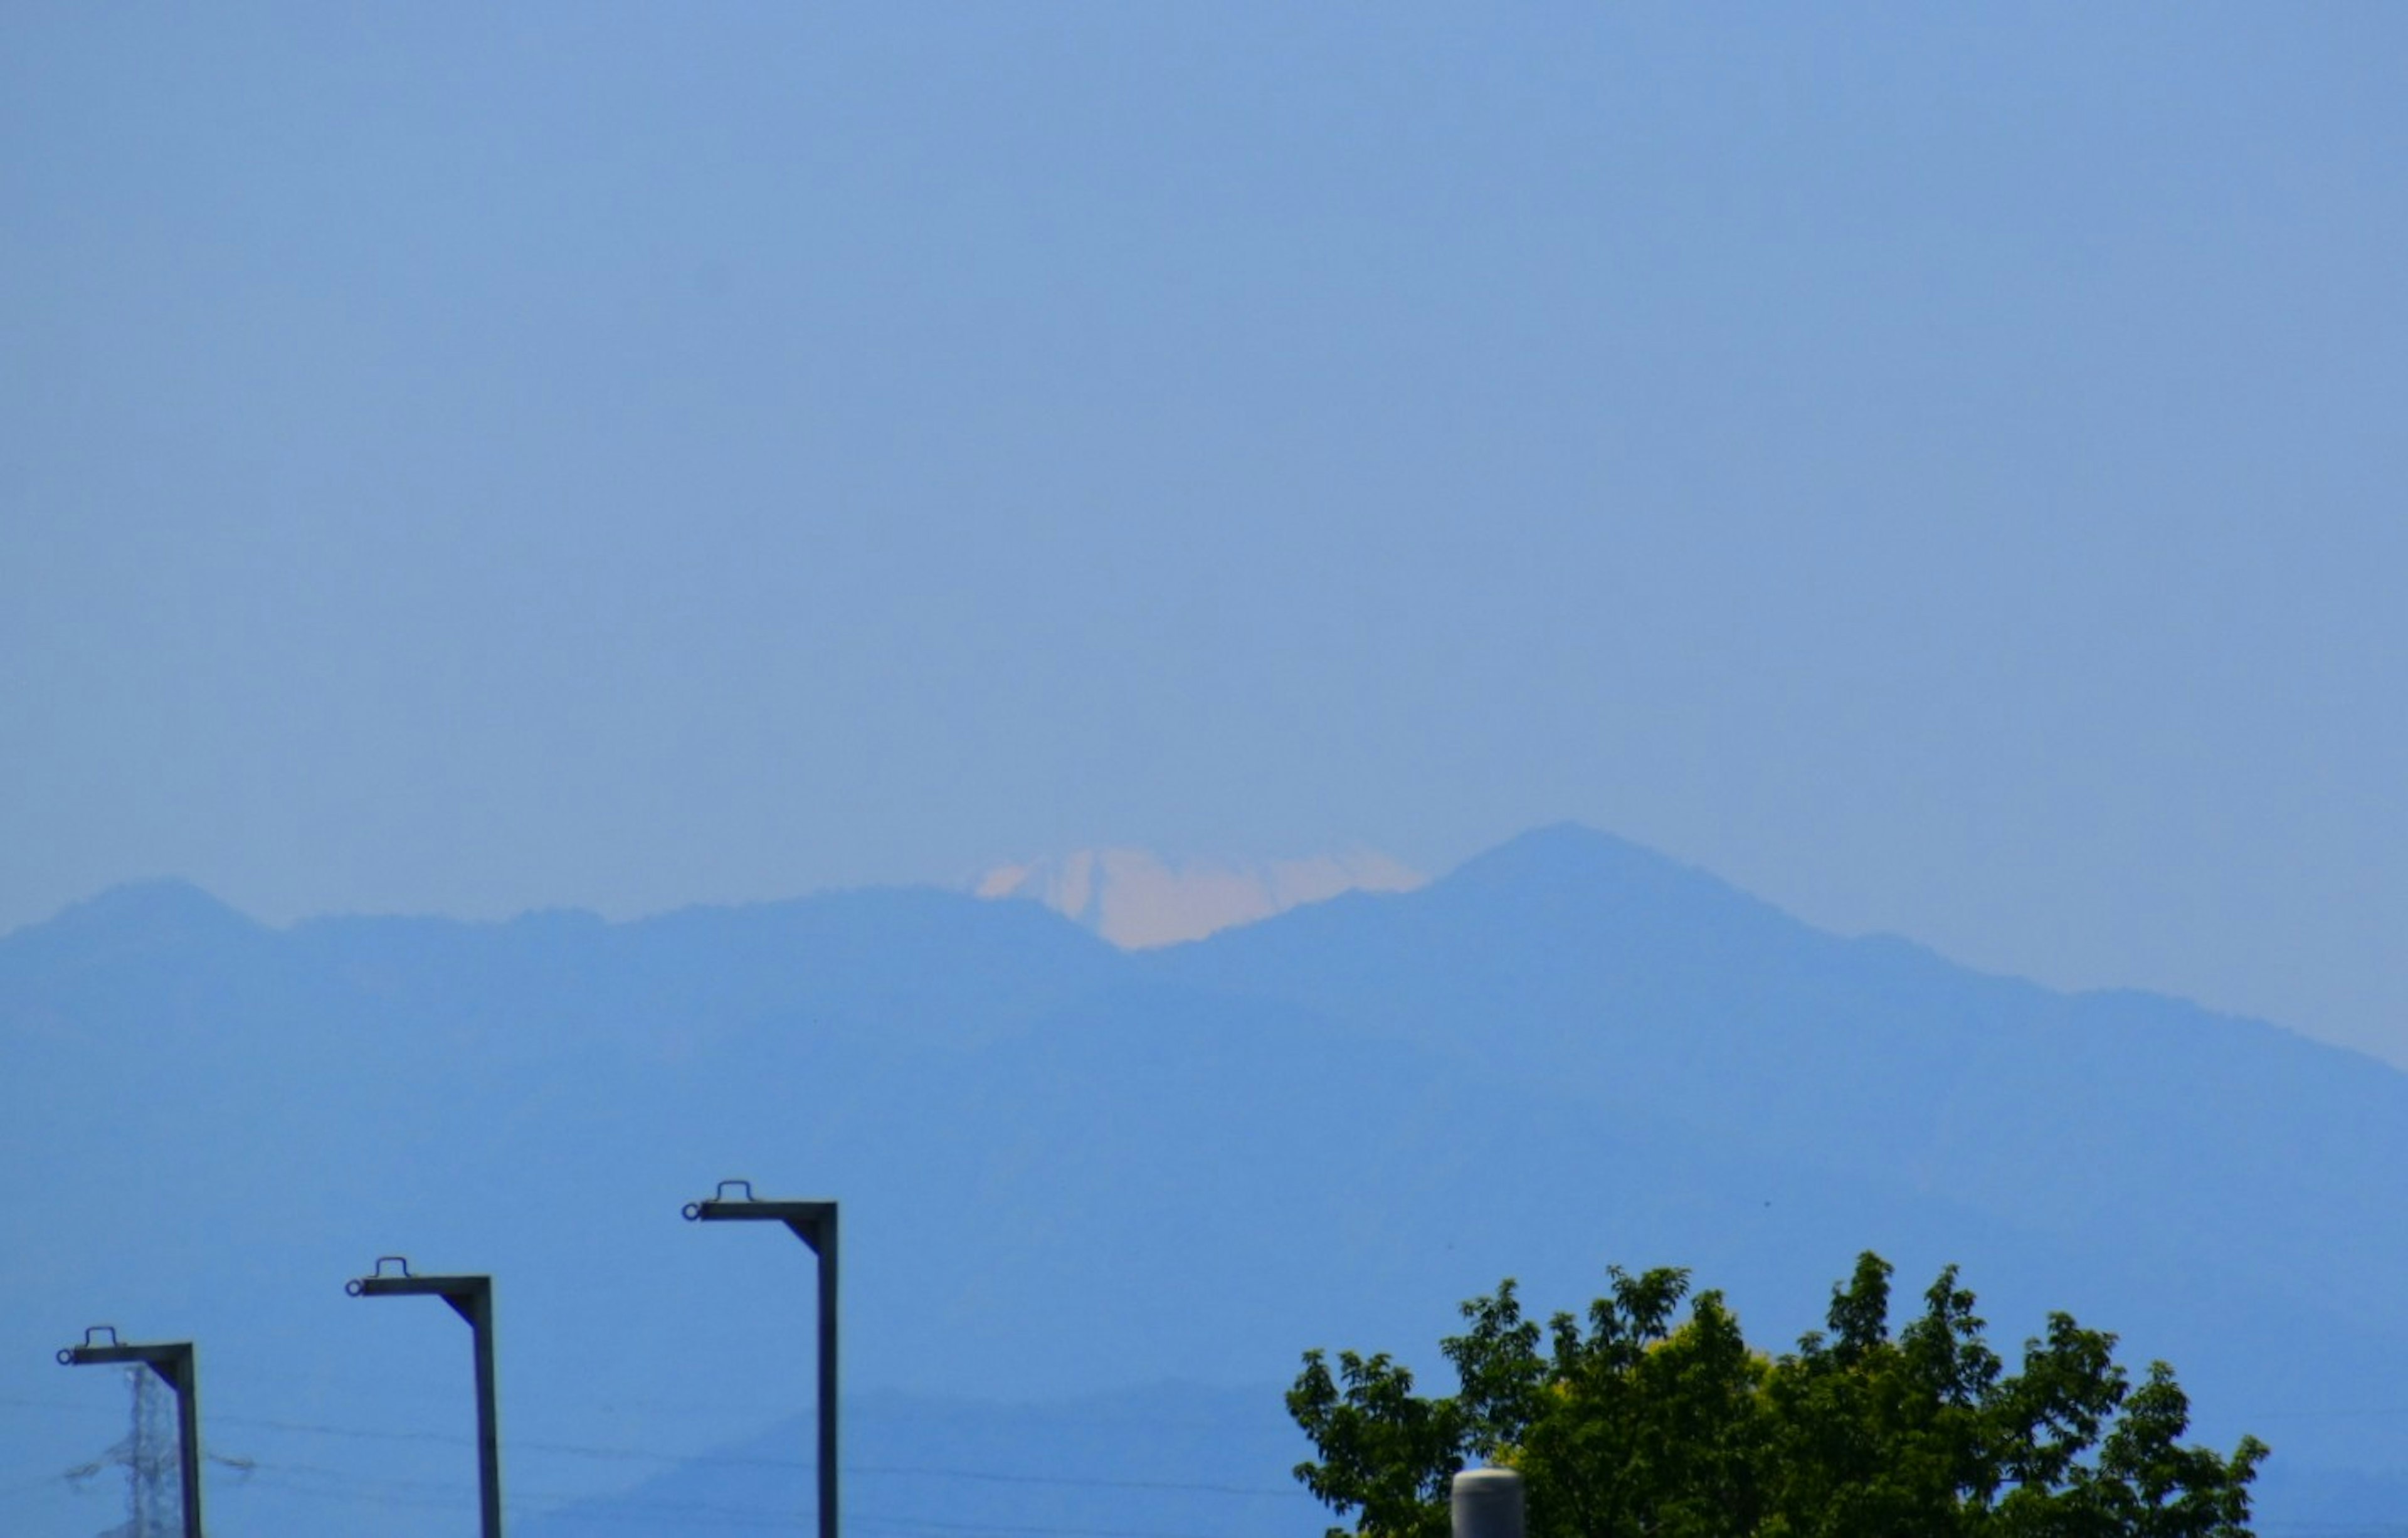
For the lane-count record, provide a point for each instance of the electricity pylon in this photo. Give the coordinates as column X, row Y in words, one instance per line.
column 151, row 1455
column 154, row 1505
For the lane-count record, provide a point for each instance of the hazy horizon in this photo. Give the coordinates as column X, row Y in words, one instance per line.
column 1935, row 470
column 1147, row 916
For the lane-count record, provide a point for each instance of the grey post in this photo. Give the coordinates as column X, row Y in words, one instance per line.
column 815, row 1224
column 472, row 1299
column 174, row 1362
column 1486, row 1503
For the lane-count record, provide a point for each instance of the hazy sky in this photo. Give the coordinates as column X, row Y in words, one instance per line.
column 1940, row 466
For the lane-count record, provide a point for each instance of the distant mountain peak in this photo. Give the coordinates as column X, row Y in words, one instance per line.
column 1571, row 841
column 1574, row 853
column 1137, row 899
column 170, row 907
column 157, row 904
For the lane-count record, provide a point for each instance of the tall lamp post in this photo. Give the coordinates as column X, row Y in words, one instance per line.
column 173, row 1363
column 472, row 1299
column 815, row 1224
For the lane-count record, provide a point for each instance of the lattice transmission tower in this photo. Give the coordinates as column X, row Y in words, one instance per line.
column 149, row 1454
column 154, row 1503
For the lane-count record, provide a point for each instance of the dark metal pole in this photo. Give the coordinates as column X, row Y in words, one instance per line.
column 188, row 1439
column 825, row 1246
column 479, row 1312
column 472, row 1299
column 175, row 1363
column 815, row 1224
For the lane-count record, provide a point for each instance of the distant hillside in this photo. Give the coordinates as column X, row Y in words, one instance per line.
column 1068, row 1169
column 1137, row 899
column 1159, row 1458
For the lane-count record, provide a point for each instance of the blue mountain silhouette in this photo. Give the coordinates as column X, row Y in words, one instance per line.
column 1068, row 1170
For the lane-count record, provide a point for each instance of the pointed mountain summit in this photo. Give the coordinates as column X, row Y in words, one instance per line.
column 1565, row 935
column 1560, row 849
column 1568, row 880
column 143, row 918
column 168, row 909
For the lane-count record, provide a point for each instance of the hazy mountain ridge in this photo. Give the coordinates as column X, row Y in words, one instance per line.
column 1873, row 1057
column 1174, row 1457
column 1067, row 1167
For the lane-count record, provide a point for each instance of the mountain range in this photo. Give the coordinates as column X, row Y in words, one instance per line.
column 1071, row 1171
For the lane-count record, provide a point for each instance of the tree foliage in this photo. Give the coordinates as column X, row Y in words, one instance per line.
column 1641, row 1420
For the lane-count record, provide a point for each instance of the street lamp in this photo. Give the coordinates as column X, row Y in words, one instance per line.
column 815, row 1224
column 472, row 1299
column 173, row 1362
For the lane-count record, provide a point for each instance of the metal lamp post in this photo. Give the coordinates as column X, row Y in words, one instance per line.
column 815, row 1224
column 472, row 1299
column 174, row 1362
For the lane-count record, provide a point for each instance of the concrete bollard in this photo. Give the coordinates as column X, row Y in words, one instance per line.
column 1486, row 1503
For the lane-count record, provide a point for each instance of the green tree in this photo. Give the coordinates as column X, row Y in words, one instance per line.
column 1642, row 1420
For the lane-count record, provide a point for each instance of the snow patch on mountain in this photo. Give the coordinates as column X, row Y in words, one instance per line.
column 1137, row 899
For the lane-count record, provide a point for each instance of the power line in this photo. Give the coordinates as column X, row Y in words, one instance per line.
column 347, row 1487
column 739, row 1460
column 432, row 1493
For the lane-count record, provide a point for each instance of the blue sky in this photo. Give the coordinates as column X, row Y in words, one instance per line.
column 1939, row 468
